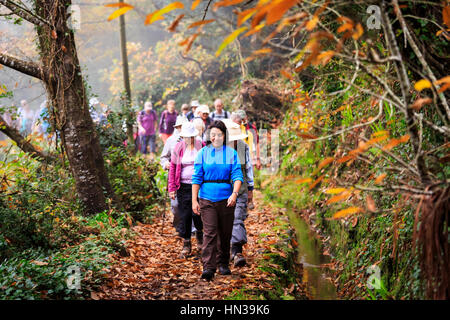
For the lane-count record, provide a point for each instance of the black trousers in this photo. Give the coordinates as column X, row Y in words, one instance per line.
column 184, row 196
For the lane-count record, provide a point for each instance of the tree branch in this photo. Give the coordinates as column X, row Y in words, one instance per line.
column 419, row 55
column 405, row 85
column 28, row 68
column 22, row 143
column 24, row 13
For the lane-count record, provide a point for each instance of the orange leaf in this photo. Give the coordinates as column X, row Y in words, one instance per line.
column 248, row 59
column 157, row 15
column 311, row 24
column 345, row 159
column 371, row 204
column 190, row 42
column 340, row 197
column 195, row 4
column 315, row 183
column 443, row 80
column 377, row 139
column 175, row 23
column 380, row 178
column 261, row 51
column 117, row 5
column 335, row 190
column 346, row 212
column 359, row 32
column 306, row 135
column 226, row 3
column 446, row 15
column 287, row 74
column 394, row 142
column 444, row 87
column 422, row 84
column 346, row 26
column 184, row 42
column 245, row 15
column 200, row 23
column 324, row 57
column 254, row 30
column 306, row 180
column 277, row 9
column 419, row 103
column 123, row 8
column 325, row 162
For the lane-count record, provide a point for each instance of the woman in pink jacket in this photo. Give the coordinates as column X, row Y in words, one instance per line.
column 180, row 185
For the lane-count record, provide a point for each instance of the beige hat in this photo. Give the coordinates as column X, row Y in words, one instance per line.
column 234, row 130
column 203, row 109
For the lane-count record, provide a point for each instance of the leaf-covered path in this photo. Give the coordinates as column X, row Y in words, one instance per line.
column 154, row 271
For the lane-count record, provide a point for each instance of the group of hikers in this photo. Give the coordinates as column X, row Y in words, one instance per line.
column 210, row 158
column 28, row 121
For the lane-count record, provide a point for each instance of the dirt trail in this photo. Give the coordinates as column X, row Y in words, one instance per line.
column 154, row 271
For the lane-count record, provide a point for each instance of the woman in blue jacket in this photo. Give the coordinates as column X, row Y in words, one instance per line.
column 216, row 181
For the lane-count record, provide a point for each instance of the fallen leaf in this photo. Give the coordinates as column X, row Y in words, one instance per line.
column 422, row 84
column 371, row 204
column 346, row 212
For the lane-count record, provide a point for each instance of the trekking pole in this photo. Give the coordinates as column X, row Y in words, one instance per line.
column 163, row 217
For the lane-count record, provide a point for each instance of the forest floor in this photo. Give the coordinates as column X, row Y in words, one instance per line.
column 153, row 269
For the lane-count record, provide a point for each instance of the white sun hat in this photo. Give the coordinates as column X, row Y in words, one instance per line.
column 203, row 109
column 234, row 130
column 188, row 130
column 180, row 121
column 195, row 103
column 93, row 101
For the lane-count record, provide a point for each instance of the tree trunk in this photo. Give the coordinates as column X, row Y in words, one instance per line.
column 126, row 79
column 66, row 90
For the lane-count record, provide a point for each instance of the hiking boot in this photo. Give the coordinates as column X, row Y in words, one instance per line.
column 224, row 270
column 239, row 260
column 186, row 248
column 251, row 206
column 199, row 236
column 208, row 274
column 235, row 249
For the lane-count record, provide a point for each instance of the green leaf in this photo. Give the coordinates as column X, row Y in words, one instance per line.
column 230, row 39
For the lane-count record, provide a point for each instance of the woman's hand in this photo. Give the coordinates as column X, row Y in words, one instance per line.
column 172, row 195
column 196, row 207
column 232, row 200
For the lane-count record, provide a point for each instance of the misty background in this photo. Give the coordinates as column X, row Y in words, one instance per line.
column 98, row 45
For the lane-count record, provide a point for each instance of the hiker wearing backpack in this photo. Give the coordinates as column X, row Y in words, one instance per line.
column 219, row 114
column 147, row 124
column 181, row 170
column 239, row 235
column 167, row 121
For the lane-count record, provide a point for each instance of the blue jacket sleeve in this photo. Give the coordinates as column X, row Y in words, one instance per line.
column 236, row 172
column 197, row 177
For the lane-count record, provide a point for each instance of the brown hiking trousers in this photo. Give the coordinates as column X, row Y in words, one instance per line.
column 217, row 221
